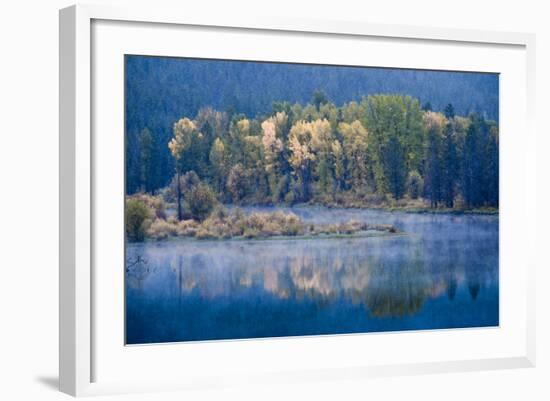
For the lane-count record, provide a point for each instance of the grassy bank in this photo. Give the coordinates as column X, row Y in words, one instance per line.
column 236, row 224
column 146, row 219
column 352, row 200
column 387, row 203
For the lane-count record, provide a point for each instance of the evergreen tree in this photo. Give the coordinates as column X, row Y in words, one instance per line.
column 146, row 161
column 394, row 124
column 132, row 165
column 393, row 156
column 449, row 166
column 492, row 169
column 319, row 98
column 449, row 111
column 472, row 169
column 432, row 179
column 337, row 154
column 237, row 183
column 415, row 184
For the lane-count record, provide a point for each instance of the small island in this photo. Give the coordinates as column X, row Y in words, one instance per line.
column 147, row 219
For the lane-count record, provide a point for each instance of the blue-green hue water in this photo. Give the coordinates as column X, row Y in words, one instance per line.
column 442, row 274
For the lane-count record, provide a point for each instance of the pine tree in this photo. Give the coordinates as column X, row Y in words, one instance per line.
column 472, row 168
column 492, row 169
column 319, row 98
column 432, row 179
column 449, row 111
column 146, row 149
column 393, row 156
column 449, row 165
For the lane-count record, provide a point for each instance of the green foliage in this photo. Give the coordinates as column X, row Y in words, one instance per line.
column 394, row 124
column 219, row 164
column 449, row 111
column 449, row 165
column 432, row 178
column 186, row 138
column 281, row 189
column 415, row 183
column 480, row 164
column 291, row 197
column 137, row 219
column 393, row 161
column 319, row 98
column 237, row 182
column 201, row 200
column 146, row 160
column 355, row 153
column 162, row 90
column 383, row 147
column 155, row 204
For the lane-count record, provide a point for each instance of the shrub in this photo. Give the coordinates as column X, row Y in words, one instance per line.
column 162, row 229
column 215, row 227
column 292, row 225
column 203, row 233
column 220, row 212
column 137, row 219
column 415, row 183
column 375, row 199
column 237, row 182
column 201, row 200
column 270, row 229
column 251, row 233
column 256, row 220
column 187, row 182
column 281, row 189
column 290, row 197
column 155, row 203
column 187, row 228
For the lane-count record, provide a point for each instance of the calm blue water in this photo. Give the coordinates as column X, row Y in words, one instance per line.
column 443, row 274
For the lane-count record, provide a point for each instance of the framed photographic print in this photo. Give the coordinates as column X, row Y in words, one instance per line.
column 271, row 200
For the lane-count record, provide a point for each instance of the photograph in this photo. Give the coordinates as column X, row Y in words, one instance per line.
column 251, row 201
column 272, row 199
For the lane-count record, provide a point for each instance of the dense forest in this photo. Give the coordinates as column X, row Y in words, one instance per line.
column 162, row 91
column 385, row 147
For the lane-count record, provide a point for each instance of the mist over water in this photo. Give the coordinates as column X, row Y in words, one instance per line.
column 442, row 274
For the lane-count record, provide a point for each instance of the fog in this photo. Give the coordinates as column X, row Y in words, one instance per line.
column 443, row 273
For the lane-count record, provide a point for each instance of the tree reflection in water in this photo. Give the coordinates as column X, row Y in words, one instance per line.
column 443, row 274
column 385, row 286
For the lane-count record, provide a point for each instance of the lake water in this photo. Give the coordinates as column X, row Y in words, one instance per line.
column 442, row 274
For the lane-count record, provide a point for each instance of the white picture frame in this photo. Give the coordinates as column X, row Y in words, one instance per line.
column 77, row 368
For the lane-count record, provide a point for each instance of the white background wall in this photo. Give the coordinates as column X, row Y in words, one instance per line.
column 29, row 200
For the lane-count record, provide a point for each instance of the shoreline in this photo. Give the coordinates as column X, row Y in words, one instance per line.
column 389, row 209
column 305, row 237
column 224, row 224
column 279, row 221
